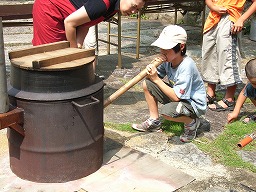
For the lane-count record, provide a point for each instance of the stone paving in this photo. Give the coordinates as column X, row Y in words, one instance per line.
column 131, row 107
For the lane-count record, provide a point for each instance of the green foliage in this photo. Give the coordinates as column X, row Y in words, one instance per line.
column 133, row 16
column 224, row 148
column 143, row 16
column 120, row 127
column 174, row 128
column 181, row 22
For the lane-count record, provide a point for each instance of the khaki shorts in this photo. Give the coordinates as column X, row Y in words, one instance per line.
column 219, row 65
column 170, row 108
column 90, row 39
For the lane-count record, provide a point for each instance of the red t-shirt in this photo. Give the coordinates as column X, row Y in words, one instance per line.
column 98, row 9
column 49, row 16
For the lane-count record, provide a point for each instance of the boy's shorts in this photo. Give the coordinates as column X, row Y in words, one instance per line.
column 170, row 108
column 250, row 91
column 90, row 39
column 221, row 56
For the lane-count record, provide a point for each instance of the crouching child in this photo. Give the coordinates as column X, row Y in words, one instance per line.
column 183, row 96
column 249, row 91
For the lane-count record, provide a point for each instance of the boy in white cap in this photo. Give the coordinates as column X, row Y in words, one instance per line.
column 183, row 96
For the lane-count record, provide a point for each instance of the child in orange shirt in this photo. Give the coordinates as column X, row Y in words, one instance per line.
column 220, row 52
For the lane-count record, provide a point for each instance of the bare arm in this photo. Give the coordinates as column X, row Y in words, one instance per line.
column 238, row 25
column 74, row 32
column 153, row 76
column 81, row 34
column 166, row 89
column 239, row 103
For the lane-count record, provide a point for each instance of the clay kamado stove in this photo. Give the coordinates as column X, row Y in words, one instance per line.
column 54, row 90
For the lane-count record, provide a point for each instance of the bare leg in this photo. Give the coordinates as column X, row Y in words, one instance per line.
column 181, row 119
column 230, row 93
column 152, row 103
column 211, row 89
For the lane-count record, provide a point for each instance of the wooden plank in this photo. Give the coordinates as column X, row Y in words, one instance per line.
column 17, row 11
column 69, row 65
column 16, row 24
column 15, row 116
column 26, row 63
column 63, row 57
column 38, row 49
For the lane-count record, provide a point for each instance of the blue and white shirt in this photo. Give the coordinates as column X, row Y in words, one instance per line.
column 187, row 83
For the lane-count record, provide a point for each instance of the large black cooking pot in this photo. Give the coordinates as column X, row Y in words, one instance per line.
column 63, row 121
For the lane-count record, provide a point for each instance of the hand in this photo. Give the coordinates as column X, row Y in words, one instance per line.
column 237, row 27
column 231, row 117
column 220, row 10
column 152, row 72
column 151, row 69
column 79, row 46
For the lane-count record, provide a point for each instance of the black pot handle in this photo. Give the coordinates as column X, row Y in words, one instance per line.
column 95, row 101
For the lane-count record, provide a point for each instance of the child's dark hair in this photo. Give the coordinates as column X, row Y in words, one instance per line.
column 250, row 68
column 176, row 49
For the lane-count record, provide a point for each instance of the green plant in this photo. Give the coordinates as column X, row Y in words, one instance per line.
column 173, row 128
column 224, row 148
column 120, row 127
column 143, row 16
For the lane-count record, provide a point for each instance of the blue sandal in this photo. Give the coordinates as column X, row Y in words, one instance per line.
column 231, row 106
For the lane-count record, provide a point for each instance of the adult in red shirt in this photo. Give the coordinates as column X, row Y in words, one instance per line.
column 60, row 20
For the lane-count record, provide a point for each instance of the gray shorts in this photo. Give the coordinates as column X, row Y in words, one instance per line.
column 221, row 56
column 170, row 108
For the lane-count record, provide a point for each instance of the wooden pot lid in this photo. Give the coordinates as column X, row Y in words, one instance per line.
column 51, row 57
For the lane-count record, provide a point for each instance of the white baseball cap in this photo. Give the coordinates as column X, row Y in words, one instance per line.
column 170, row 37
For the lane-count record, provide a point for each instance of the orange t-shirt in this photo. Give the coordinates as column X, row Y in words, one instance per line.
column 234, row 9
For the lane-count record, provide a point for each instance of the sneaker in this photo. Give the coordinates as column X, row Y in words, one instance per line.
column 150, row 125
column 190, row 132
